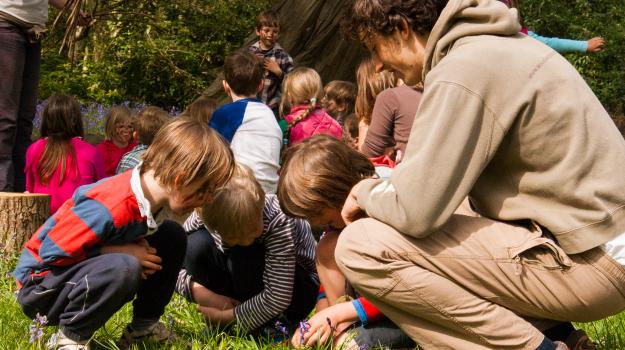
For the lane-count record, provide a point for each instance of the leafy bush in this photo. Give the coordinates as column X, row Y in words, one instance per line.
column 161, row 52
column 581, row 19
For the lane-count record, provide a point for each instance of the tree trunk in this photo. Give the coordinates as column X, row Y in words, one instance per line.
column 310, row 32
column 21, row 214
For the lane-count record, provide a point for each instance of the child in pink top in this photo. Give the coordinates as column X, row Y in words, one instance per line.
column 118, row 131
column 302, row 89
column 61, row 161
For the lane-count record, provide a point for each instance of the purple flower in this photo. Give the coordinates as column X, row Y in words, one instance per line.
column 304, row 327
column 280, row 328
column 36, row 328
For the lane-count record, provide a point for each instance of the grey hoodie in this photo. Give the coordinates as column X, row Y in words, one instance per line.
column 509, row 122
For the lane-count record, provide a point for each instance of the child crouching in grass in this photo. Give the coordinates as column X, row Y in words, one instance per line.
column 250, row 264
column 110, row 243
column 315, row 180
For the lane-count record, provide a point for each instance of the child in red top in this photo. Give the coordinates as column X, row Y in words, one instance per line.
column 315, row 179
column 302, row 90
column 118, row 141
column 60, row 162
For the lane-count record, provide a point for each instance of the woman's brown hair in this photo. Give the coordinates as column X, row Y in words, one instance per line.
column 60, row 122
column 318, row 173
column 370, row 83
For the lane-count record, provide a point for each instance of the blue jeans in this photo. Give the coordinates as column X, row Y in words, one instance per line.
column 19, row 80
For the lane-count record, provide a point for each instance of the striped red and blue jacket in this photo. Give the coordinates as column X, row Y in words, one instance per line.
column 104, row 212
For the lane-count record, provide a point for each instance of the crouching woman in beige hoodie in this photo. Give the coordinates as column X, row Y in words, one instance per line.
column 509, row 123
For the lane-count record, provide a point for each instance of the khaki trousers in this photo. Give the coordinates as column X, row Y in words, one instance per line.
column 477, row 283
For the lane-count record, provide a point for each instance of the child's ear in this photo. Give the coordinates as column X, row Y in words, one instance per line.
column 135, row 135
column 341, row 107
column 227, row 88
column 257, row 32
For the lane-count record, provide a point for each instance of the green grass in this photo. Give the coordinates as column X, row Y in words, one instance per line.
column 609, row 333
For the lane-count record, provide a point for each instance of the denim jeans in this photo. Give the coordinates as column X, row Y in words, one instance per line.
column 19, row 80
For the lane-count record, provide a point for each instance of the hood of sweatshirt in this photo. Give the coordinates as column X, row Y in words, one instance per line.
column 466, row 18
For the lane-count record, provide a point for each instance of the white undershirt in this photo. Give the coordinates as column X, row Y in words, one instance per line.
column 616, row 248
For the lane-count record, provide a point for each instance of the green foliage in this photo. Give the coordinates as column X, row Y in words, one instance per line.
column 582, row 19
column 160, row 52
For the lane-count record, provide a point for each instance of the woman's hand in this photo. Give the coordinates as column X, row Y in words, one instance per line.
column 351, row 210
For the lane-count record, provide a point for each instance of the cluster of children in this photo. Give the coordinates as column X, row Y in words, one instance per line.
column 218, row 204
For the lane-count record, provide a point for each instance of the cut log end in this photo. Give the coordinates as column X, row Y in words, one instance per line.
column 21, row 214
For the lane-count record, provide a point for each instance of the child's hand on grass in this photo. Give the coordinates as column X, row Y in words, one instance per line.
column 325, row 325
column 215, row 316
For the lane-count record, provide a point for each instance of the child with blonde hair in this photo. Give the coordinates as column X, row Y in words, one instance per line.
column 113, row 242
column 316, row 178
column 338, row 99
column 247, row 262
column 61, row 161
column 301, row 96
column 118, row 138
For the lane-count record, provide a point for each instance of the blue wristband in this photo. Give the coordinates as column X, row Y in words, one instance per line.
column 321, row 295
column 360, row 310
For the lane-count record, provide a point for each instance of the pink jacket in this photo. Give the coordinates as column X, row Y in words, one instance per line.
column 90, row 169
column 317, row 122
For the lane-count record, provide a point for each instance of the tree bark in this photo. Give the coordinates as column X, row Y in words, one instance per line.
column 21, row 214
column 310, row 32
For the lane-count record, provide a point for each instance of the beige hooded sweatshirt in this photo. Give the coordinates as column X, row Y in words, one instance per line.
column 509, row 122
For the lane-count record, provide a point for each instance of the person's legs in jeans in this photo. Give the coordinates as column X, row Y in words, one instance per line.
column 12, row 60
column 472, row 284
column 82, row 297
column 26, row 114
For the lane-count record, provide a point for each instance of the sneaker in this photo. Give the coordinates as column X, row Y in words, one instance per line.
column 579, row 340
column 58, row 341
column 157, row 333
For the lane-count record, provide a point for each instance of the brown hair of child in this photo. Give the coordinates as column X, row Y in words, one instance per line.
column 318, row 173
column 115, row 116
column 244, row 73
column 60, row 122
column 370, row 84
column 343, row 93
column 148, row 122
column 185, row 152
column 267, row 18
column 301, row 87
column 202, row 109
column 350, row 131
column 237, row 210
